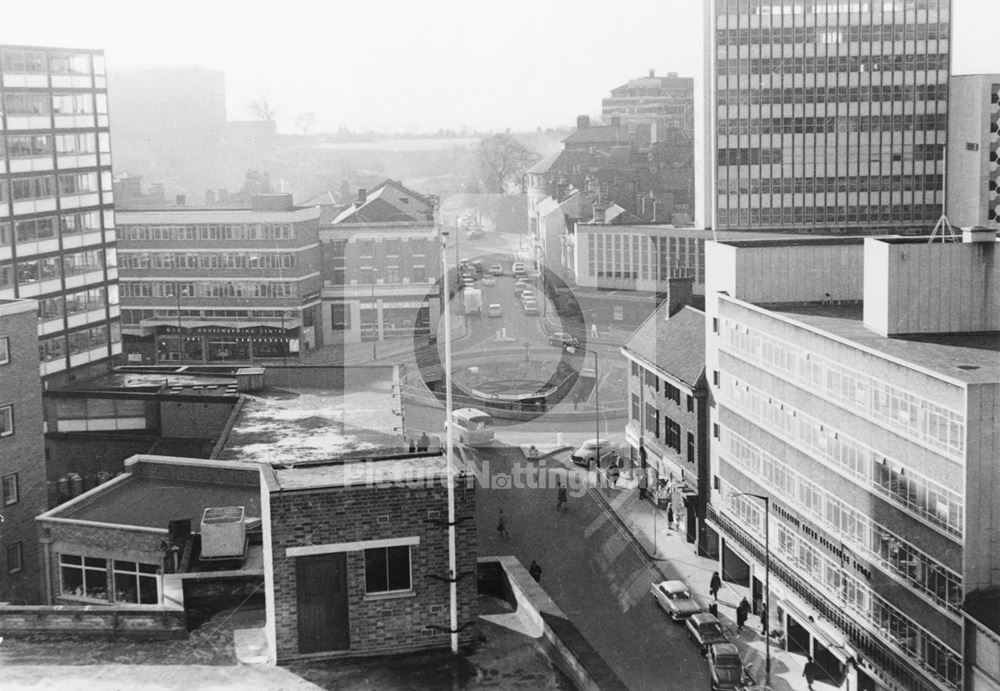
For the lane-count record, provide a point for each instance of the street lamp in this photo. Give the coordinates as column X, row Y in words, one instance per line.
column 767, row 579
column 450, row 454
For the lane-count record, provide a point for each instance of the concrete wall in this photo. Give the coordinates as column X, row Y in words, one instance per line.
column 982, row 482
column 970, row 169
column 193, row 420
column 786, row 272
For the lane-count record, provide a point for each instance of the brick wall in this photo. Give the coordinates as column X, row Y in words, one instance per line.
column 132, row 622
column 329, row 516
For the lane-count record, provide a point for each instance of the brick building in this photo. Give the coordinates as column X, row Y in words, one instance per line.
column 220, row 284
column 363, row 551
column 381, row 263
column 22, row 451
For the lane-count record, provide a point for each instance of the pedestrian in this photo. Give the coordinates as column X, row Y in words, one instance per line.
column 670, row 516
column 614, row 472
column 742, row 612
column 810, row 672
column 561, row 503
column 536, row 571
column 643, row 485
column 593, row 330
column 763, row 619
column 413, row 446
column 714, row 585
column 424, row 442
column 502, row 525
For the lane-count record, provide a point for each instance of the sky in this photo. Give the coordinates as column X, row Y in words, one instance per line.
column 415, row 65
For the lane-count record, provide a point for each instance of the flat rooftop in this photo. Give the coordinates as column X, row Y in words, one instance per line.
column 416, row 469
column 285, row 426
column 971, row 358
column 150, row 502
column 170, row 380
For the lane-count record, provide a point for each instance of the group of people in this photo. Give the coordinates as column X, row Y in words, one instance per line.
column 420, row 445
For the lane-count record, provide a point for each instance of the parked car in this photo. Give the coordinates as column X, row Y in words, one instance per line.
column 588, row 450
column 478, row 266
column 726, row 668
column 531, row 306
column 488, row 280
column 494, row 310
column 496, row 269
column 518, row 269
column 528, row 294
column 675, row 599
column 705, row 630
column 561, row 338
column 519, row 288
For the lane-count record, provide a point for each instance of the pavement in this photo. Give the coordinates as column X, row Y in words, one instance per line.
column 668, row 551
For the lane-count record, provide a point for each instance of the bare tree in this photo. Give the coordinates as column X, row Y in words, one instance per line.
column 305, row 122
column 263, row 109
column 503, row 161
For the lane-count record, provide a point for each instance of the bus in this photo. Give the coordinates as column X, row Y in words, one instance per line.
column 472, row 426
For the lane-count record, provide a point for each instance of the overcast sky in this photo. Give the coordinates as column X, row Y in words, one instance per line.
column 415, row 65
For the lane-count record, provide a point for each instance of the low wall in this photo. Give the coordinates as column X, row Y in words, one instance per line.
column 94, row 620
column 573, row 653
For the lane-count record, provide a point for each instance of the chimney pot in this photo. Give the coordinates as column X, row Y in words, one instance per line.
column 362, row 195
column 582, row 122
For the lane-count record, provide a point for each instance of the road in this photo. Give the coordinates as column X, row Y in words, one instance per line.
column 591, row 570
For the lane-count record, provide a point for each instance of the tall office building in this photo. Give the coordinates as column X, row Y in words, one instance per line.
column 829, row 115
column 974, row 151
column 57, row 238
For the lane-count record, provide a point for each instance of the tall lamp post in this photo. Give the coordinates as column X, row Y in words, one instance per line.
column 449, row 436
column 767, row 580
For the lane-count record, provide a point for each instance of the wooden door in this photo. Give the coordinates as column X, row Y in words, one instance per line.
column 324, row 623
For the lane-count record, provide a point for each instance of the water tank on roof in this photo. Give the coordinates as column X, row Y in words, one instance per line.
column 223, row 532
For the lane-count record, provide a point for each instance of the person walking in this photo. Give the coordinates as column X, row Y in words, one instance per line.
column 763, row 619
column 424, row 442
column 715, row 585
column 643, row 485
column 670, row 516
column 810, row 672
column 502, row 525
column 536, row 571
column 561, row 503
column 742, row 612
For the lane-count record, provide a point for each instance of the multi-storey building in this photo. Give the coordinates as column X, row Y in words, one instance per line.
column 974, row 151
column 829, row 116
column 220, row 284
column 57, row 237
column 22, row 452
column 856, row 383
column 381, row 263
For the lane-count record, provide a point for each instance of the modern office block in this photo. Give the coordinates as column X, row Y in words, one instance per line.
column 974, row 151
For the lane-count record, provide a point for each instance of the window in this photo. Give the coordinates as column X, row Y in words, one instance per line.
column 690, row 403
column 340, row 316
column 15, row 557
column 4, row 350
column 715, row 377
column 387, row 569
column 84, row 576
column 11, row 493
column 6, row 420
column 136, row 583
column 635, row 408
column 690, row 447
column 672, row 434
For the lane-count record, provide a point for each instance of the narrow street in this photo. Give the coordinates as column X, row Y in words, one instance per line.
column 590, row 569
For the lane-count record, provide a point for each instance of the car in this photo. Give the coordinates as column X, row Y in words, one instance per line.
column 675, row 599
column 519, row 288
column 488, row 280
column 560, row 339
column 725, row 667
column 528, row 294
column 586, row 453
column 478, row 265
column 705, row 630
column 494, row 310
column 531, row 307
column 518, row 269
column 496, row 269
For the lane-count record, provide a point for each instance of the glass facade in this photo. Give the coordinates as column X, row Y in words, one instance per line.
column 830, row 116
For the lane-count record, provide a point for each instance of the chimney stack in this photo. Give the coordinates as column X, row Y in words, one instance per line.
column 582, row 122
column 652, row 73
column 362, row 196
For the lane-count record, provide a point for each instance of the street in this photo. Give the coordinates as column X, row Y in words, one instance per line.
column 590, row 569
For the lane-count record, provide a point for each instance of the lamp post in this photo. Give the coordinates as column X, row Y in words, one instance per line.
column 449, row 436
column 767, row 580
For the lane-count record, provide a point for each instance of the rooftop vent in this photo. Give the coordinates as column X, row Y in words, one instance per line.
column 223, row 532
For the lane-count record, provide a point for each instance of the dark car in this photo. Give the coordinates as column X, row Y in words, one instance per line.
column 560, row 339
column 705, row 630
column 726, row 668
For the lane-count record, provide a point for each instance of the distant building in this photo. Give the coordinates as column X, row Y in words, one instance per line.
column 220, row 284
column 363, row 553
column 57, row 237
column 22, row 452
column 974, row 151
column 667, row 430
column 855, row 385
column 829, row 117
column 381, row 263
column 982, row 640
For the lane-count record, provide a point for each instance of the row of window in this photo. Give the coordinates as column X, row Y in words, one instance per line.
column 44, row 186
column 807, row 7
column 201, row 260
column 732, row 216
column 45, row 103
column 208, row 289
column 925, row 574
column 132, row 316
column 780, row 66
column 74, row 303
column 48, row 268
column 47, row 227
column 624, row 255
column 915, row 416
column 807, row 184
column 820, row 124
column 26, row 61
column 919, row 93
column 865, row 33
column 909, row 489
column 229, row 231
column 110, row 580
column 82, row 341
column 831, row 576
